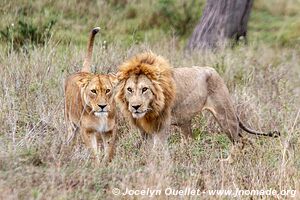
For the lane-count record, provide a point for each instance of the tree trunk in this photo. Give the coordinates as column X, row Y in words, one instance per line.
column 221, row 21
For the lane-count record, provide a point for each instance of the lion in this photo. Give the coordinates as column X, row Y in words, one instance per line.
column 154, row 96
column 90, row 106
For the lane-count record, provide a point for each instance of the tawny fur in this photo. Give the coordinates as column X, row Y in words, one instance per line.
column 87, row 61
column 85, row 93
column 179, row 95
column 159, row 72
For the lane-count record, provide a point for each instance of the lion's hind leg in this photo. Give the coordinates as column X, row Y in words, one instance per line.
column 224, row 113
column 223, row 110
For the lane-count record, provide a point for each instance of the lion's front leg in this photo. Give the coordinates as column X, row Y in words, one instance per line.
column 143, row 139
column 160, row 139
column 160, row 143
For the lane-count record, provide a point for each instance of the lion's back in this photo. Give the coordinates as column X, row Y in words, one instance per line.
column 192, row 89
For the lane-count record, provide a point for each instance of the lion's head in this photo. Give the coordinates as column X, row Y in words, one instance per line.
column 97, row 93
column 146, row 88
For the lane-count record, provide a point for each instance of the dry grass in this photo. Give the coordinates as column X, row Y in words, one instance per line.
column 35, row 163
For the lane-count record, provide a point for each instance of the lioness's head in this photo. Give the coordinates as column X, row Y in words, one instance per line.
column 97, row 93
column 146, row 86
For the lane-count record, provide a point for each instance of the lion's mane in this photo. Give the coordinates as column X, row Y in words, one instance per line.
column 158, row 70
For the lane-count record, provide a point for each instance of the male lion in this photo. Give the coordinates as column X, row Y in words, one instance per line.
column 154, row 96
column 90, row 106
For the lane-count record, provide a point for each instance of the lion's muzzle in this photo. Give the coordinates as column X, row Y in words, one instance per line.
column 137, row 111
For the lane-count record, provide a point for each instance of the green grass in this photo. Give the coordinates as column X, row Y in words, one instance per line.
column 35, row 163
column 277, row 30
column 136, row 22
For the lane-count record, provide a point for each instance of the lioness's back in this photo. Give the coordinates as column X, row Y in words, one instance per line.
column 73, row 101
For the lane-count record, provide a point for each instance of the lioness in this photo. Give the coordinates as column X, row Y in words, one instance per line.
column 154, row 96
column 90, row 106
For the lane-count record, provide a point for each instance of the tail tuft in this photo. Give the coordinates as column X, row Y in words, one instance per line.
column 96, row 30
column 87, row 61
column 274, row 134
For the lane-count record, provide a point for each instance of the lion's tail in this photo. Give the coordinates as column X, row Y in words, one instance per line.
column 269, row 134
column 87, row 61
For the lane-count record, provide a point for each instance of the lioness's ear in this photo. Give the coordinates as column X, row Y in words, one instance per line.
column 113, row 79
column 83, row 82
column 120, row 75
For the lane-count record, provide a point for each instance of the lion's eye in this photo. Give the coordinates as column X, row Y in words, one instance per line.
column 94, row 91
column 129, row 89
column 107, row 91
column 144, row 89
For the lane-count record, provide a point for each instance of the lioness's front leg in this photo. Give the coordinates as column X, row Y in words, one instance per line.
column 94, row 145
column 90, row 140
column 109, row 144
column 72, row 130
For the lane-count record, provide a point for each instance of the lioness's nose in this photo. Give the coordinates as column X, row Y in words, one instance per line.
column 136, row 106
column 102, row 106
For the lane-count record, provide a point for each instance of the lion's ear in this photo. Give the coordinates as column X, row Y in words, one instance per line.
column 113, row 79
column 83, row 82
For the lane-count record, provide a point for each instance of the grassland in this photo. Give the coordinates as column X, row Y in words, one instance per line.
column 263, row 78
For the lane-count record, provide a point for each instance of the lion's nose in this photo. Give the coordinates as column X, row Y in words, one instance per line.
column 102, row 106
column 136, row 106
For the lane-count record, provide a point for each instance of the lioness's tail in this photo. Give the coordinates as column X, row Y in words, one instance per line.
column 269, row 134
column 87, row 61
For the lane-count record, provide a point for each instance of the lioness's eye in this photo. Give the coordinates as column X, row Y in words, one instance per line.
column 129, row 89
column 144, row 89
column 107, row 91
column 94, row 91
